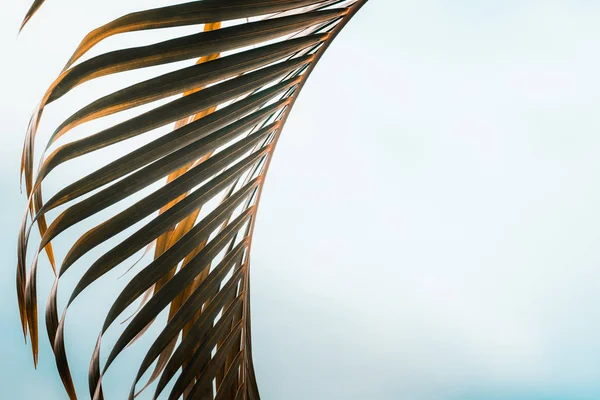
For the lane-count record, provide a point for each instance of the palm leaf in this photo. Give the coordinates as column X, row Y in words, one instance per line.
column 254, row 57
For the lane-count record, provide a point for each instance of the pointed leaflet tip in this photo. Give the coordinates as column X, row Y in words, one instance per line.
column 22, row 25
column 32, row 10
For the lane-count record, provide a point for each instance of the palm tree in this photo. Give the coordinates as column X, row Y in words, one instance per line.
column 254, row 57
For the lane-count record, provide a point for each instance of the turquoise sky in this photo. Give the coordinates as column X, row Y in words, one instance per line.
column 429, row 228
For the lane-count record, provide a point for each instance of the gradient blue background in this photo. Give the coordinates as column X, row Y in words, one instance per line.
column 440, row 244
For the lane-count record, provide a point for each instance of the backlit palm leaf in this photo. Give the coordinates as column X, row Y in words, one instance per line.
column 254, row 57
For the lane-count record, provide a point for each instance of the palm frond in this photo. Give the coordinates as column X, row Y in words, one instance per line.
column 254, row 57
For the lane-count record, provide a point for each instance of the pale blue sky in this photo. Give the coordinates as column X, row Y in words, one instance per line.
column 439, row 244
